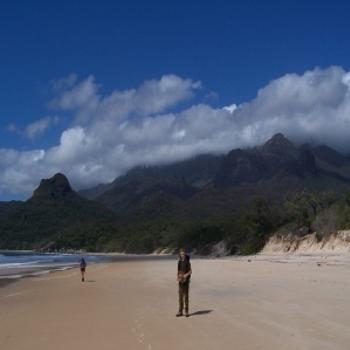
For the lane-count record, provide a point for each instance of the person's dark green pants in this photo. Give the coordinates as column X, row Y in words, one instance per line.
column 183, row 296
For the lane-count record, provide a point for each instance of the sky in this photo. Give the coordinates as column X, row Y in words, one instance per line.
column 92, row 89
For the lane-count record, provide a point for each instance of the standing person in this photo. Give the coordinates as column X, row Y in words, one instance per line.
column 184, row 272
column 82, row 268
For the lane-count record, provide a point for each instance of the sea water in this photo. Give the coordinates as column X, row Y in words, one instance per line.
column 15, row 264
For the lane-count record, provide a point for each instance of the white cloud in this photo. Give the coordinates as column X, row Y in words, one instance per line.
column 20, row 170
column 230, row 108
column 112, row 133
column 35, row 129
column 64, row 83
column 153, row 96
column 40, row 126
column 77, row 96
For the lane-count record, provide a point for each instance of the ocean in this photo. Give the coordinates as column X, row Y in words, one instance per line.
column 15, row 264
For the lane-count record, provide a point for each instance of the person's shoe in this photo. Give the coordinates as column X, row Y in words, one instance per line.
column 83, row 279
column 179, row 314
column 187, row 314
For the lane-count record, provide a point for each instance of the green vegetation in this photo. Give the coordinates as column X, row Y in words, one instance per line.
column 71, row 224
column 246, row 231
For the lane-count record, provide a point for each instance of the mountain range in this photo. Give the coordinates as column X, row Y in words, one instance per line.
column 195, row 202
column 219, row 184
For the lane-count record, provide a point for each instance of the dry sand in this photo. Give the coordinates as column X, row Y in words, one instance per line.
column 236, row 304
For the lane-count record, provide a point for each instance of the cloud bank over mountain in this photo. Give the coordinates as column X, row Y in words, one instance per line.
column 110, row 133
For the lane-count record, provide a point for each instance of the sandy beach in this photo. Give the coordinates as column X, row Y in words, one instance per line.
column 234, row 304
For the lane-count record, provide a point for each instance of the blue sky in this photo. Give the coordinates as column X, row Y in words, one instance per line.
column 233, row 48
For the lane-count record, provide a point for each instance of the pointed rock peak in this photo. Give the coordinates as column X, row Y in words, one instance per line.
column 278, row 143
column 278, row 138
column 60, row 180
column 55, row 187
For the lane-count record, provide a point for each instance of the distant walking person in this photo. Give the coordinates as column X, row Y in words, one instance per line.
column 184, row 272
column 82, row 268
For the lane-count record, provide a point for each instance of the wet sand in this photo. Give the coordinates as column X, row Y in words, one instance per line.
column 132, row 305
column 5, row 281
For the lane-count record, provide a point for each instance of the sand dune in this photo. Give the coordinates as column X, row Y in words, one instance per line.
column 235, row 304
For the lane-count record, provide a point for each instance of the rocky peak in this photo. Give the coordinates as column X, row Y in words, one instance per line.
column 53, row 188
column 277, row 158
column 278, row 144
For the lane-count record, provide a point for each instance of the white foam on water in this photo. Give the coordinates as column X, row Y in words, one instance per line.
column 19, row 264
column 29, row 274
column 15, row 266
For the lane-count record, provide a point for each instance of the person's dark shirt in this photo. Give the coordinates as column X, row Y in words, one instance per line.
column 184, row 266
column 82, row 263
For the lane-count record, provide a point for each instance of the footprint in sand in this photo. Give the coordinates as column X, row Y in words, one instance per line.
column 141, row 338
column 137, row 329
column 140, row 335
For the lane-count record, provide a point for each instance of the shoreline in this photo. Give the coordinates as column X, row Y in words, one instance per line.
column 5, row 281
column 318, row 259
column 13, row 274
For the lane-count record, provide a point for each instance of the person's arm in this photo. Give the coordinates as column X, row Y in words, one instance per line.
column 189, row 273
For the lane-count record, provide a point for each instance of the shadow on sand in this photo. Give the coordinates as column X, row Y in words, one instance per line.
column 91, row 281
column 201, row 312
